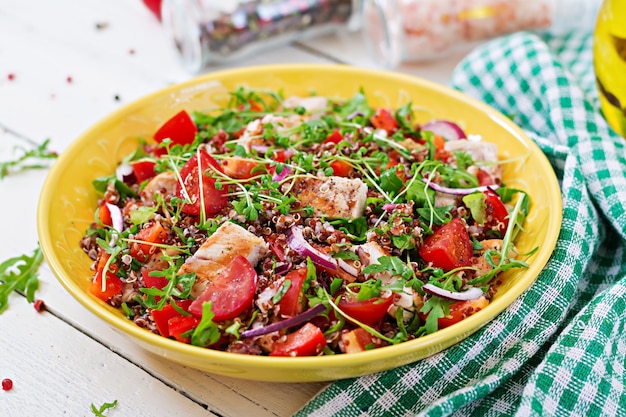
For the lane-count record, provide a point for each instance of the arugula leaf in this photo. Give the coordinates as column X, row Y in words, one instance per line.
column 346, row 254
column 403, row 242
column 391, row 264
column 507, row 194
column 438, row 215
column 390, row 182
column 142, row 214
column 21, row 163
column 357, row 104
column 436, row 308
column 280, row 293
column 403, row 116
column 421, row 194
column 335, row 285
column 101, row 184
column 475, row 202
column 20, row 274
column 207, row 332
column 99, row 411
column 356, row 229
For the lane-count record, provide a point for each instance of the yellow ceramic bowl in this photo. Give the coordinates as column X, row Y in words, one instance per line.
column 68, row 201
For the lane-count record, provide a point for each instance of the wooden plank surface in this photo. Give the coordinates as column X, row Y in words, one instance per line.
column 59, row 74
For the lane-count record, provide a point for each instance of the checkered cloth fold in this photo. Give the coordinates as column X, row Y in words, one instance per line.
column 560, row 349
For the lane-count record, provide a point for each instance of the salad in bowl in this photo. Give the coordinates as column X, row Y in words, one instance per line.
column 304, row 226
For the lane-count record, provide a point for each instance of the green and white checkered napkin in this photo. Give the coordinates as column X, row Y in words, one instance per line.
column 560, row 349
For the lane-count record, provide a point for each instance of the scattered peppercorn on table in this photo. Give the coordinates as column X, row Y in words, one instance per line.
column 64, row 66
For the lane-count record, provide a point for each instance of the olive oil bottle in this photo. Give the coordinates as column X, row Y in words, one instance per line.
column 610, row 62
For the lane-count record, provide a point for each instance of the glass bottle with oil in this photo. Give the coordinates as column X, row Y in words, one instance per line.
column 609, row 51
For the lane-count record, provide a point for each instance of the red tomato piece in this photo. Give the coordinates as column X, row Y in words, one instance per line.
column 104, row 215
column 367, row 311
column 180, row 325
column 180, row 129
column 357, row 340
column 113, row 284
column 449, row 247
column 231, row 293
column 341, row 168
column 382, row 119
column 291, row 304
column 162, row 317
column 440, row 153
column 279, row 156
column 496, row 211
column 306, row 341
column 241, row 168
column 334, row 137
column 143, row 169
column 154, row 6
column 155, row 233
column 154, row 282
column 282, row 155
column 214, row 199
column 277, row 250
column 461, row 310
column 484, row 178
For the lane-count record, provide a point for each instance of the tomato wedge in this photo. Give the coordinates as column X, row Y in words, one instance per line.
column 334, row 137
column 214, row 199
column 113, row 283
column 496, row 211
column 367, row 311
column 484, row 178
column 143, row 169
column 306, row 341
column 179, row 325
column 154, row 282
column 104, row 215
column 449, row 247
column 231, row 293
column 382, row 119
column 161, row 317
column 241, row 168
column 155, row 233
column 180, row 129
column 461, row 310
column 341, row 168
column 291, row 304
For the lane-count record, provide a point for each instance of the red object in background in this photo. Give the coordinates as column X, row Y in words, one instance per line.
column 39, row 305
column 154, row 6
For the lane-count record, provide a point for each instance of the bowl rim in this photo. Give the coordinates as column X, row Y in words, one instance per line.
column 428, row 342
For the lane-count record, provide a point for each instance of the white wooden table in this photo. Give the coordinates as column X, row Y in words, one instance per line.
column 59, row 74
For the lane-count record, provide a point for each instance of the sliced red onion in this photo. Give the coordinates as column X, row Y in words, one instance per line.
column 296, row 241
column 353, row 115
column 123, row 172
column 285, row 324
column 470, row 294
column 117, row 221
column 260, row 149
column 283, row 174
column 116, row 217
column 458, row 191
column 389, row 206
column 283, row 268
column 449, row 130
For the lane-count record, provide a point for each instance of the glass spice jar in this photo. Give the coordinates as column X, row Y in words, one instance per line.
column 399, row 31
column 206, row 32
